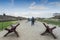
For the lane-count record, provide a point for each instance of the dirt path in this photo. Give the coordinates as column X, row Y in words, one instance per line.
column 28, row 32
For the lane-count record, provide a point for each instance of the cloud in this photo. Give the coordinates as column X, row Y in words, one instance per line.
column 33, row 6
column 38, row 8
column 44, row 1
column 12, row 3
column 40, row 14
column 45, row 5
column 57, row 4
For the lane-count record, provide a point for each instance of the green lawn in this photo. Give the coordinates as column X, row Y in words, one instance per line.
column 51, row 22
column 6, row 24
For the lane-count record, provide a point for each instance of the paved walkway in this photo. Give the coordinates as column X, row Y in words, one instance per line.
column 28, row 32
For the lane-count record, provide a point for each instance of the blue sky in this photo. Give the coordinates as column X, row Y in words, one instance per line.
column 29, row 8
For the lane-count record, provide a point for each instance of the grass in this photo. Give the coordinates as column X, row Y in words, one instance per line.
column 51, row 22
column 6, row 24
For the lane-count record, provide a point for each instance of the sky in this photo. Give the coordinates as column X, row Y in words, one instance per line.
column 29, row 8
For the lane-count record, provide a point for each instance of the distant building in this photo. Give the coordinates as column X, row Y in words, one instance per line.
column 5, row 17
column 56, row 15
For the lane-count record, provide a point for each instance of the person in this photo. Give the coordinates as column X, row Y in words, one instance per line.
column 32, row 21
column 28, row 19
